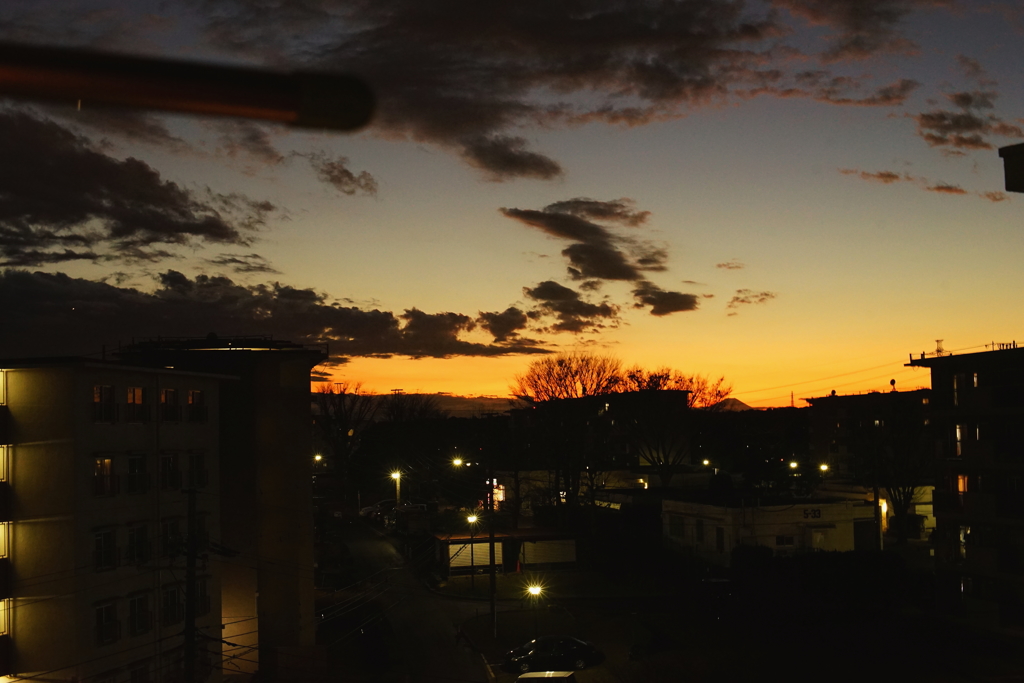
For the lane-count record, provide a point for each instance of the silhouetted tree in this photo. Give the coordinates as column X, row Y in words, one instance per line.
column 704, row 392
column 568, row 375
column 343, row 411
column 401, row 407
column 659, row 426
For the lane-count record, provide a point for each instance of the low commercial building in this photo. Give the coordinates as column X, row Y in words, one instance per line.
column 711, row 530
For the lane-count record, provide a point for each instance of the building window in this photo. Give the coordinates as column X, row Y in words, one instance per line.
column 105, row 549
column 5, row 613
column 720, row 539
column 138, row 544
column 698, row 529
column 961, row 483
column 170, row 411
column 170, row 475
column 784, row 541
column 170, row 537
column 103, row 407
column 197, row 475
column 138, row 477
column 959, row 440
column 104, row 482
column 171, row 608
column 140, row 619
column 975, row 380
column 135, row 409
column 956, row 392
column 196, row 405
column 108, row 628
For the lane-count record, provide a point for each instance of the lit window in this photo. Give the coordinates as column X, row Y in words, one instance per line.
column 135, row 408
column 959, row 440
column 961, row 483
column 104, row 483
column 975, row 380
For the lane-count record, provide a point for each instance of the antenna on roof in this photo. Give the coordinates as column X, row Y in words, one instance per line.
column 938, row 347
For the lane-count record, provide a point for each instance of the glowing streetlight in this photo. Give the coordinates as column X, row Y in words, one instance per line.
column 534, row 590
column 792, row 465
column 318, row 457
column 472, row 551
column 397, row 476
column 823, row 468
column 457, row 462
column 706, row 462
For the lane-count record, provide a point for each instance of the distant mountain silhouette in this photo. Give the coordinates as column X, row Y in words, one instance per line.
column 733, row 404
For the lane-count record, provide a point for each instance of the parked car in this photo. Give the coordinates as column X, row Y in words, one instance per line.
column 552, row 653
column 376, row 511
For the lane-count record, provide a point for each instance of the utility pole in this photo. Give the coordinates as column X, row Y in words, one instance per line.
column 191, row 548
column 490, row 532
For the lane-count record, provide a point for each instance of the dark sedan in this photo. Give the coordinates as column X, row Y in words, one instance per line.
column 552, row 653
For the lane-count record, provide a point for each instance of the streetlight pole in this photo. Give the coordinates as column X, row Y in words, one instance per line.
column 535, row 592
column 472, row 552
column 397, row 476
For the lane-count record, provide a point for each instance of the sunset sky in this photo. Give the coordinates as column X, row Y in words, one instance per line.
column 794, row 194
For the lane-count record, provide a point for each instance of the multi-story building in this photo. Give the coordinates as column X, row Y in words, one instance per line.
column 265, row 493
column 978, row 409
column 95, row 459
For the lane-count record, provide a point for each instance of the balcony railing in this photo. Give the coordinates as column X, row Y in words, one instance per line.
column 104, row 412
column 170, row 480
column 137, row 482
column 108, row 632
column 170, row 412
column 197, row 413
column 137, row 412
column 105, row 484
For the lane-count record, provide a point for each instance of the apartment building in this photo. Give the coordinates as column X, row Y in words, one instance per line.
column 978, row 411
column 95, row 459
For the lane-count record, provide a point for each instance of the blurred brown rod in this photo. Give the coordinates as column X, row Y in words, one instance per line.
column 87, row 78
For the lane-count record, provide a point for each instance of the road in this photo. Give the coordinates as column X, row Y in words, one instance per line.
column 389, row 627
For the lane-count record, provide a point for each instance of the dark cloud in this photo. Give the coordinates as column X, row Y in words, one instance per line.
column 56, row 314
column 748, row 296
column 335, row 172
column 63, row 199
column 823, row 86
column 663, row 302
column 501, row 157
column 465, row 78
column 946, row 188
column 597, row 252
column 967, row 128
column 503, row 325
column 732, row 264
column 890, row 177
column 573, row 314
column 885, row 177
column 243, row 263
column 863, row 27
column 247, row 140
column 126, row 124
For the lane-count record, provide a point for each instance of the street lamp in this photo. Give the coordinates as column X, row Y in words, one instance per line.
column 823, row 468
column 472, row 560
column 792, row 465
column 397, row 476
column 457, row 462
column 706, row 462
column 534, row 592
